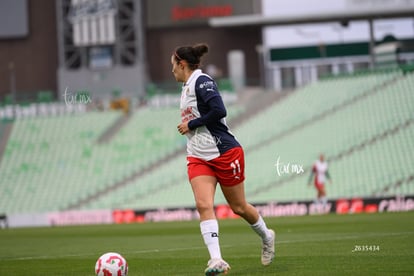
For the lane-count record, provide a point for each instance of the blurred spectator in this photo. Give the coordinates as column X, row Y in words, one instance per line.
column 320, row 174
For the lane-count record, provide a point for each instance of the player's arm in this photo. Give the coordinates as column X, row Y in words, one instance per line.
column 311, row 175
column 217, row 111
column 209, row 94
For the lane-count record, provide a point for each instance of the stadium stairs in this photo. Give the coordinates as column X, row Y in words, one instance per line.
column 113, row 129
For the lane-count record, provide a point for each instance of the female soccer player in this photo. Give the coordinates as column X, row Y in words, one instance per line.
column 213, row 156
column 320, row 174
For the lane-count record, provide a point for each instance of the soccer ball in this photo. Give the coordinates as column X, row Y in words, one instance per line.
column 111, row 264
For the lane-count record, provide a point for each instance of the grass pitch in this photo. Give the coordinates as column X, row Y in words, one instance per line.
column 365, row 244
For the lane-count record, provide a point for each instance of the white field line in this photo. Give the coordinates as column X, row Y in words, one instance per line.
column 350, row 237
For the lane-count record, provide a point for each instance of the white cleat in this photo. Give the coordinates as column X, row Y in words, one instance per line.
column 216, row 266
column 268, row 249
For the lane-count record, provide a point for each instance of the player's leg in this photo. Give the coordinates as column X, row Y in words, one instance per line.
column 229, row 169
column 318, row 188
column 321, row 199
column 322, row 195
column 235, row 197
column 204, row 187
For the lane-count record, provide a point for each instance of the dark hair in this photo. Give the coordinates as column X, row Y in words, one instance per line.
column 191, row 54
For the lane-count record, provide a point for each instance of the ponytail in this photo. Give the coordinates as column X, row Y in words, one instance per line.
column 191, row 54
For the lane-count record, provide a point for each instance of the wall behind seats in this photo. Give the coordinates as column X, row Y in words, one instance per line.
column 161, row 43
column 34, row 56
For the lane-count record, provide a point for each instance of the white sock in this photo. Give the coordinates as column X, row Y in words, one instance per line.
column 261, row 229
column 209, row 231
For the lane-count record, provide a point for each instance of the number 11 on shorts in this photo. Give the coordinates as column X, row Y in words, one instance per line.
column 236, row 167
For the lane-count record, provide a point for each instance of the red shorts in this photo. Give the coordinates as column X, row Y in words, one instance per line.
column 319, row 186
column 228, row 168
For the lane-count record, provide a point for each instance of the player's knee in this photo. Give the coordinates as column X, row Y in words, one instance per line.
column 239, row 210
column 203, row 207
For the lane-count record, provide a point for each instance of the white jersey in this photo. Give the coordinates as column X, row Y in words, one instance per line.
column 320, row 168
column 210, row 138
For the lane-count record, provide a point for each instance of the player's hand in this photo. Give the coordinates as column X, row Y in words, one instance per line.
column 183, row 128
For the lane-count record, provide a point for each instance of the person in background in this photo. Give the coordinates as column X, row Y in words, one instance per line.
column 320, row 175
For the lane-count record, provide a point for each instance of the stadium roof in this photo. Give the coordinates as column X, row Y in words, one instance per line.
column 259, row 20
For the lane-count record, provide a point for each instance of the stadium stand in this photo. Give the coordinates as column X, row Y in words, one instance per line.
column 362, row 131
column 362, row 122
column 46, row 161
column 361, row 108
column 308, row 103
